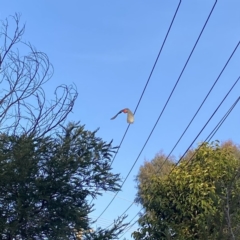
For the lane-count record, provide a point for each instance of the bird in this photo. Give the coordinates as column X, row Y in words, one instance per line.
column 130, row 116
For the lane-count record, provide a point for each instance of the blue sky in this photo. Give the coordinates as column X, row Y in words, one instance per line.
column 107, row 48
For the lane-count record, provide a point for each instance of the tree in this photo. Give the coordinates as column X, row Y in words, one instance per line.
column 48, row 168
column 45, row 182
column 199, row 199
column 160, row 165
column 23, row 73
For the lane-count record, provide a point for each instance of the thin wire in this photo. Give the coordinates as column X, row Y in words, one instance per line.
column 150, row 75
column 201, row 104
column 162, row 109
column 214, row 131
column 123, row 213
column 124, row 199
column 154, row 65
column 221, row 121
column 200, row 108
column 205, row 124
column 127, row 228
column 210, row 136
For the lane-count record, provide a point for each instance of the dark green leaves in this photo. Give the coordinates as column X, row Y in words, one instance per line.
column 45, row 181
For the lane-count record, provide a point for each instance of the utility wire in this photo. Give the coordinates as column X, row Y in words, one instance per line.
column 198, row 111
column 162, row 109
column 209, row 137
column 222, row 121
column 206, row 123
column 123, row 213
column 127, row 228
column 150, row 75
column 213, row 132
column 201, row 104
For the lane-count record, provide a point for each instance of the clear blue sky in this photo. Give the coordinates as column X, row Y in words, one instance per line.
column 107, row 48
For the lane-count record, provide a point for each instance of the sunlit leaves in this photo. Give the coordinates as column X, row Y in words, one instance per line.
column 193, row 201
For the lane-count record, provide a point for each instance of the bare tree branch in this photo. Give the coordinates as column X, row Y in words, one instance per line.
column 23, row 105
column 227, row 214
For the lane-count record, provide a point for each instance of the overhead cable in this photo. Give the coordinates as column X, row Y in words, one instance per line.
column 162, row 109
column 150, row 75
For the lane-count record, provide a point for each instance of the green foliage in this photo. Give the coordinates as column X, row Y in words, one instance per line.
column 47, row 171
column 198, row 200
column 160, row 165
column 107, row 234
column 45, row 181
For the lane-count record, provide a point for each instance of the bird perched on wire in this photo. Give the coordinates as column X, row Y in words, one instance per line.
column 130, row 116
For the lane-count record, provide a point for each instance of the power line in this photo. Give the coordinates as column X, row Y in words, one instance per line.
column 130, row 226
column 103, row 221
column 209, row 137
column 201, row 104
column 162, row 109
column 206, row 123
column 127, row 228
column 213, row 132
column 222, row 121
column 150, row 75
column 200, row 107
column 123, row 213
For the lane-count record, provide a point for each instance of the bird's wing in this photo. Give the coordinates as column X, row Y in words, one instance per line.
column 116, row 115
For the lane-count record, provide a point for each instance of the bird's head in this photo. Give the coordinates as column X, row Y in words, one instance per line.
column 125, row 110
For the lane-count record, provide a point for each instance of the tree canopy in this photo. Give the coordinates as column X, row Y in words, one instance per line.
column 199, row 199
column 48, row 168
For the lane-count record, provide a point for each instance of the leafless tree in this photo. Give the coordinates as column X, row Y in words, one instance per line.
column 23, row 73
